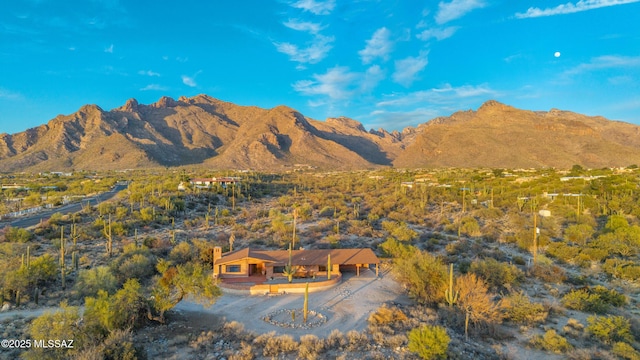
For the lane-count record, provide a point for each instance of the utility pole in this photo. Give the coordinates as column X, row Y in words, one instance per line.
column 535, row 238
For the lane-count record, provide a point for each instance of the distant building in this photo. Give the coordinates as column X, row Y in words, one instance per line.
column 207, row 183
column 407, row 184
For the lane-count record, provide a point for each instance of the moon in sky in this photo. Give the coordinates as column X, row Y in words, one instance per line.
column 557, row 54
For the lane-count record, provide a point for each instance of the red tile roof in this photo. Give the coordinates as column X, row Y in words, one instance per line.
column 304, row 257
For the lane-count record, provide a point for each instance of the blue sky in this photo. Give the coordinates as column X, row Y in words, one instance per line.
column 385, row 63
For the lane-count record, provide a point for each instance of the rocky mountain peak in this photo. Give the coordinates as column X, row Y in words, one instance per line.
column 347, row 122
column 130, row 106
column 165, row 102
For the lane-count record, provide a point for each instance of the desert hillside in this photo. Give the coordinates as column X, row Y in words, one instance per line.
column 205, row 131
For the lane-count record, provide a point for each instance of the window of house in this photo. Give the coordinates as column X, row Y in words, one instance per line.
column 278, row 269
column 233, row 268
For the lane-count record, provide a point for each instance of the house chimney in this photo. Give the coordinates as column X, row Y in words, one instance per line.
column 217, row 254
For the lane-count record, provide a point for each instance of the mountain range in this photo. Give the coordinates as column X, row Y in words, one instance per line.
column 216, row 134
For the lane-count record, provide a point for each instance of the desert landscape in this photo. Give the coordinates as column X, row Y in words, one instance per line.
column 464, row 260
column 320, row 179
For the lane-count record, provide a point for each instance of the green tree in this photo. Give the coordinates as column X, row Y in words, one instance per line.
column 121, row 310
column 424, row 275
column 176, row 283
column 578, row 233
column 61, row 324
column 91, row 281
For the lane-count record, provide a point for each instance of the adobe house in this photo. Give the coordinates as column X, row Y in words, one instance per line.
column 307, row 263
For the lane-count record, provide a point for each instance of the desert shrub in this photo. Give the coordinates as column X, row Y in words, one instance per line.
column 57, row 325
column 120, row 345
column 336, row 340
column 520, row 310
column 277, row 345
column 90, row 281
column 622, row 269
column 551, row 341
column 469, row 226
column 310, row 347
column 625, row 351
column 326, row 211
column 134, row 263
column 489, row 213
column 519, row 260
column 245, row 352
column 609, row 296
column 181, row 253
column 429, row 342
column 609, row 329
column 356, row 341
column 549, row 273
column 597, row 299
column 12, row 234
column 578, row 233
column 43, row 269
column 573, row 328
column 424, row 276
column 594, row 254
column 498, row 275
column 562, row 251
column 386, row 316
column 582, row 300
column 138, row 266
column 399, row 230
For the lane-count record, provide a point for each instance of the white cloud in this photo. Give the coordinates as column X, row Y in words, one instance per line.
column 372, row 78
column 339, row 84
column 438, row 33
column 307, row 26
column 313, row 53
column 620, row 80
column 190, row 80
column 443, row 95
column 9, row 95
column 568, row 8
column 605, row 62
column 315, row 7
column 407, row 69
column 154, row 87
column 378, row 46
column 402, row 119
column 336, row 83
column 109, row 49
column 148, row 73
column 456, row 9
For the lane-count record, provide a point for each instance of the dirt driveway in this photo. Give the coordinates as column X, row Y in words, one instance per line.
column 346, row 306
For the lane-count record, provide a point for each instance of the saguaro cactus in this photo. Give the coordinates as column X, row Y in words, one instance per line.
column 74, row 234
column 62, row 245
column 107, row 234
column 288, row 269
column 28, row 257
column 74, row 260
column 449, row 295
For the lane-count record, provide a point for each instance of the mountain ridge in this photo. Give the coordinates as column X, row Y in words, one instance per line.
column 205, row 131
